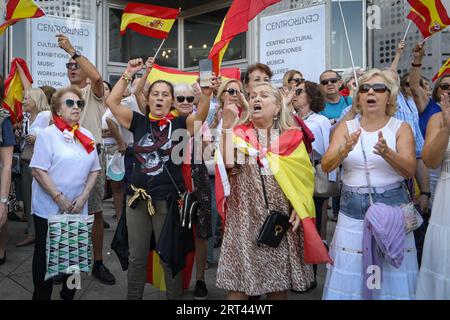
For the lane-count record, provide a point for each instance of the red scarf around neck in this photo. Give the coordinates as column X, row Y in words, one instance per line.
column 164, row 120
column 87, row 142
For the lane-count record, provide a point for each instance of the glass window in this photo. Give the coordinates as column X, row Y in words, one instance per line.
column 134, row 45
column 340, row 57
column 200, row 33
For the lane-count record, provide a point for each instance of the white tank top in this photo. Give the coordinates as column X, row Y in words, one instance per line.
column 381, row 173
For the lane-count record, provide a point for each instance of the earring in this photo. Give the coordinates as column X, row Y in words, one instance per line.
column 275, row 117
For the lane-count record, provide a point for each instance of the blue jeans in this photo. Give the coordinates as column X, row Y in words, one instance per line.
column 355, row 205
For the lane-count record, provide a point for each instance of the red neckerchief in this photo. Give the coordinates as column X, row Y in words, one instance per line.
column 87, row 142
column 165, row 120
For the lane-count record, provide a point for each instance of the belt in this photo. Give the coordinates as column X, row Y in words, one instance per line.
column 141, row 194
column 367, row 190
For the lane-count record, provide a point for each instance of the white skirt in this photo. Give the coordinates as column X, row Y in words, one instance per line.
column 345, row 279
column 434, row 276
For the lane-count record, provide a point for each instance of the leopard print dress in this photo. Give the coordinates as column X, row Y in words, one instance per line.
column 245, row 267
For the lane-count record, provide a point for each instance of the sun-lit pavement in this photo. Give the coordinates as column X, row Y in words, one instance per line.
column 16, row 281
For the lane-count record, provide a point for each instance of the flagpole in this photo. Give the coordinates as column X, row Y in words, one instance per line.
column 348, row 43
column 407, row 29
column 159, row 49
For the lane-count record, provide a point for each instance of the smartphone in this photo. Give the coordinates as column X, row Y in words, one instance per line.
column 205, row 66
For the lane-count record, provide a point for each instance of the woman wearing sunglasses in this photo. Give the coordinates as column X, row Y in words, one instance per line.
column 156, row 179
column 65, row 167
column 386, row 145
column 292, row 79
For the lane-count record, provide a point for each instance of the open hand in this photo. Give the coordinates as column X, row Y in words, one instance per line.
column 350, row 143
column 381, row 148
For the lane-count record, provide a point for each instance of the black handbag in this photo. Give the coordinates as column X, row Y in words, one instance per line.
column 275, row 226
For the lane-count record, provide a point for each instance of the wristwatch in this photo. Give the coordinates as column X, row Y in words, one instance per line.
column 4, row 201
column 76, row 54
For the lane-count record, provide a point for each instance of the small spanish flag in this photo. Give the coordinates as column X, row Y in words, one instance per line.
column 17, row 10
column 149, row 20
column 14, row 90
column 445, row 69
column 176, row 76
column 430, row 16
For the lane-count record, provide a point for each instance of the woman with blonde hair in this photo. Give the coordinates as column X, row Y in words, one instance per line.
column 377, row 153
column 254, row 150
column 292, row 79
column 37, row 109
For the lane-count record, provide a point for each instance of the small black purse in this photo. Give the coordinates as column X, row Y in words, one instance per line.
column 275, row 226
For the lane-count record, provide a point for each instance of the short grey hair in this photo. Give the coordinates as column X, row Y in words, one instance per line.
column 182, row 87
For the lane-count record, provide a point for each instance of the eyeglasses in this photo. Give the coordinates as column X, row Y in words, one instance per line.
column 327, row 81
column 232, row 91
column 297, row 80
column 444, row 86
column 72, row 66
column 70, row 103
column 189, row 99
column 298, row 91
column 377, row 87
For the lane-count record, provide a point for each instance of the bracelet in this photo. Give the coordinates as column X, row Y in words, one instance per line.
column 417, row 65
column 428, row 194
column 126, row 77
column 56, row 198
column 225, row 130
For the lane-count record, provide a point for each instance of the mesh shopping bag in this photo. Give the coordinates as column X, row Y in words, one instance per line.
column 69, row 244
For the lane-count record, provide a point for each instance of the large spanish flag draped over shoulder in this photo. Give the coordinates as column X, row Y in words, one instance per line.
column 176, row 76
column 14, row 90
column 430, row 16
column 17, row 10
column 445, row 69
column 288, row 160
column 236, row 21
column 149, row 20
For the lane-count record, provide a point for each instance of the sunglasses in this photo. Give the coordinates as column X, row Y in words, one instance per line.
column 72, row 66
column 189, row 99
column 232, row 91
column 377, row 87
column 406, row 84
column 444, row 86
column 327, row 81
column 298, row 91
column 70, row 103
column 297, row 80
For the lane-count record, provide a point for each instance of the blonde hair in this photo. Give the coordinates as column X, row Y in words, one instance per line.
column 389, row 81
column 285, row 120
column 288, row 76
column 39, row 98
column 220, row 100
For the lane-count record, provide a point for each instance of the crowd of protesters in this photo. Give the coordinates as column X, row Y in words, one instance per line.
column 379, row 138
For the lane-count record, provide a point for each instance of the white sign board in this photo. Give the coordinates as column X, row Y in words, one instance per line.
column 294, row 40
column 48, row 61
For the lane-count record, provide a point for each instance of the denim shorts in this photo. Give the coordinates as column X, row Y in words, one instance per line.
column 355, row 204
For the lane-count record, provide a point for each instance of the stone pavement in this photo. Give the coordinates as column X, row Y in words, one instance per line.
column 16, row 282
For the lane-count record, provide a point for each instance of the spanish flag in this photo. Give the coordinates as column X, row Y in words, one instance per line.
column 430, row 16
column 17, row 10
column 149, row 20
column 14, row 90
column 288, row 160
column 445, row 69
column 235, row 22
column 176, row 76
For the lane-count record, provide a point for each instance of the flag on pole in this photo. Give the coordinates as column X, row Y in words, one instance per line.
column 17, row 10
column 176, row 76
column 430, row 16
column 235, row 22
column 149, row 20
column 14, row 90
column 445, row 69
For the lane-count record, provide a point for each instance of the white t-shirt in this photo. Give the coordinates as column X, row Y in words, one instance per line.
column 68, row 165
column 41, row 122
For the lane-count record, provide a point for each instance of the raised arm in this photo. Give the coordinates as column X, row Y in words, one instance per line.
column 123, row 114
column 139, row 90
column 398, row 55
column 88, row 68
column 202, row 108
column 419, row 94
column 23, row 78
column 438, row 133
